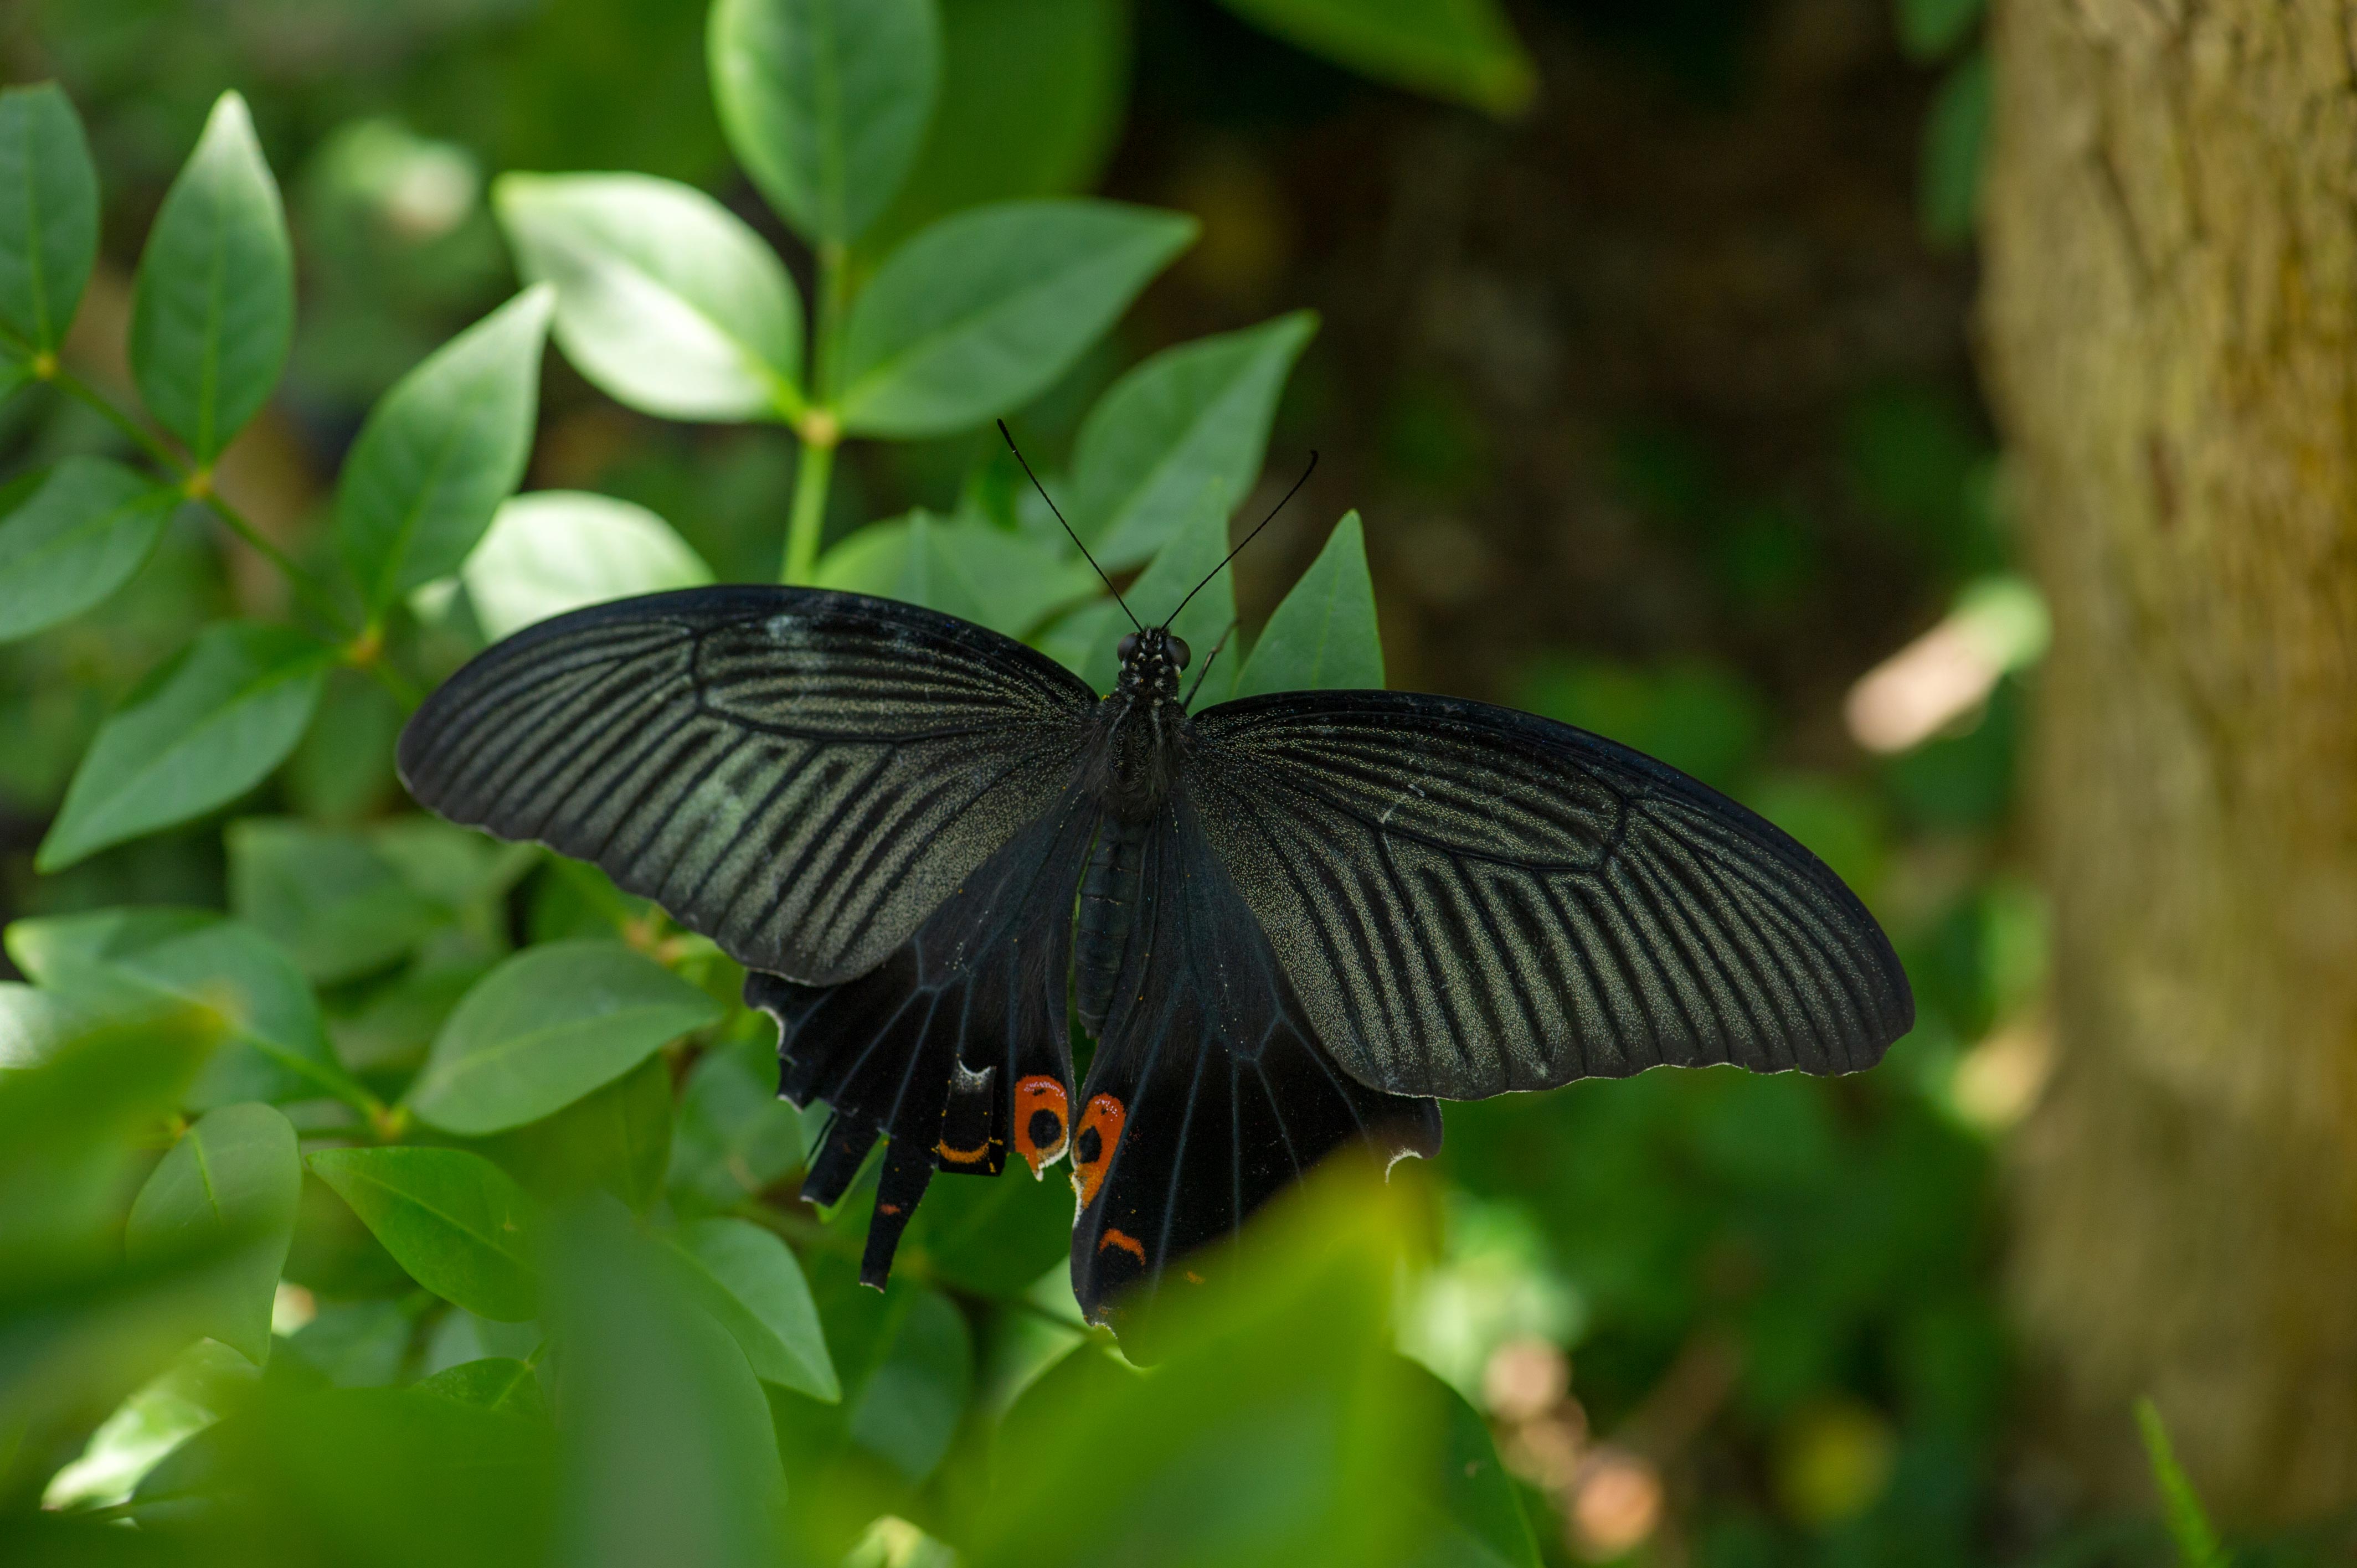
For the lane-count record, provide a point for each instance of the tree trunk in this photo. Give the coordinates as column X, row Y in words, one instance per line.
column 2170, row 336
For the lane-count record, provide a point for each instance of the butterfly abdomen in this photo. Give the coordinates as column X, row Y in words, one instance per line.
column 1108, row 895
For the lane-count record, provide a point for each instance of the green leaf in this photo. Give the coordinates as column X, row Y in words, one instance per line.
column 735, row 1136
column 1186, row 561
column 826, row 101
column 82, row 534
column 1948, row 185
column 48, row 214
column 441, row 450
column 915, row 1376
column 232, row 1179
column 664, row 297
column 1460, row 50
column 1323, row 636
column 460, row 1224
column 494, row 1382
column 978, row 314
column 33, row 1025
column 207, row 1382
column 618, row 1139
column 554, row 551
column 2189, row 1522
column 962, row 566
column 198, row 733
column 749, row 1281
column 1478, row 1520
column 1930, row 28
column 673, row 1453
column 1031, row 98
column 129, row 963
column 212, row 310
column 349, row 901
column 993, row 1235
column 547, row 1027
column 1190, row 416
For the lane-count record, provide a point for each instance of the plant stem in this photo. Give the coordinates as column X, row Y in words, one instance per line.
column 808, row 513
column 74, row 386
column 816, row 424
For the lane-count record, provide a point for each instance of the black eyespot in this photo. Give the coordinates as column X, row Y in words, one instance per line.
column 1179, row 652
column 1128, row 648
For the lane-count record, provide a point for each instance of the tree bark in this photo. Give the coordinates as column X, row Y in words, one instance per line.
column 2169, row 331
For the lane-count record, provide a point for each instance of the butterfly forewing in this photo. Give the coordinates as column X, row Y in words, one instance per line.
column 1470, row 900
column 802, row 776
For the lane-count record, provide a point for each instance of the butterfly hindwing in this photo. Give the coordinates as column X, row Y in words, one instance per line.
column 1470, row 900
column 801, row 776
column 953, row 1049
column 1210, row 1091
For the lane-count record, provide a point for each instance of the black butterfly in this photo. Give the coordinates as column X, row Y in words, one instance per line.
column 1301, row 917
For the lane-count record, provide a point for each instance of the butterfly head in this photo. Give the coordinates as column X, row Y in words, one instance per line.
column 1151, row 662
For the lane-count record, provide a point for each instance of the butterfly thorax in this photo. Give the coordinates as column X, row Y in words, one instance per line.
column 1142, row 731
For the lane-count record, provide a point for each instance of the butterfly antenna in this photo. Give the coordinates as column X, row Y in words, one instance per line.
column 1188, row 700
column 1067, row 527
column 1247, row 540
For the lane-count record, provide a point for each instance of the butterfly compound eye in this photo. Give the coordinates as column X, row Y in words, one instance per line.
column 1128, row 647
column 1179, row 653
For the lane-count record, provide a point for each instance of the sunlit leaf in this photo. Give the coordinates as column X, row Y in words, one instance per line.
column 1462, row 50
column 826, row 101
column 1323, row 634
column 664, row 298
column 48, row 223
column 206, row 1383
column 212, row 311
column 232, row 1180
column 201, row 731
column 441, row 450
column 749, row 1282
column 979, row 313
column 1192, row 417
column 547, row 1027
column 456, row 1222
column 554, row 551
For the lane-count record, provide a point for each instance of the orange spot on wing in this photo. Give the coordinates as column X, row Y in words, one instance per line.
column 972, row 1156
column 888, row 1208
column 1193, row 1277
column 1125, row 1241
column 1104, row 1117
column 1034, row 1097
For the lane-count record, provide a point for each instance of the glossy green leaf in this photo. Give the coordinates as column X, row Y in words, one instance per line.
column 1186, row 561
column 1030, row 102
column 204, row 1382
column 618, row 1139
column 1191, row 416
column 979, row 313
column 33, row 1024
column 554, row 551
column 1948, row 183
column 1323, row 635
column 460, row 1225
column 962, row 566
column 494, row 1382
column 77, row 538
column 203, row 730
column 735, row 1136
column 749, row 1281
column 48, row 214
column 441, row 451
column 212, row 311
column 672, row 1455
column 130, row 963
column 826, row 101
column 232, row 1179
column 1460, row 50
column 547, row 1027
column 664, row 298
